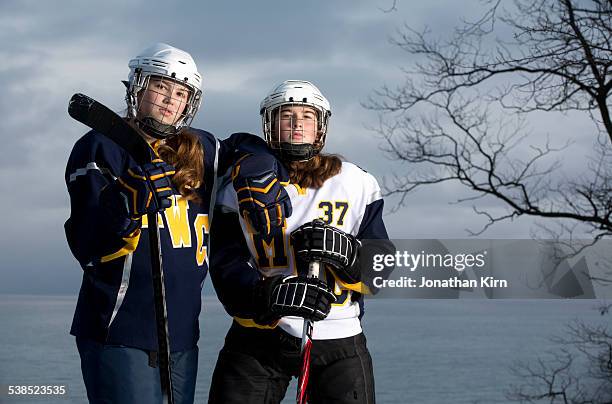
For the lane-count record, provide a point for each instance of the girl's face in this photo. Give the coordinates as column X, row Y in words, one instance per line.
column 296, row 124
column 163, row 100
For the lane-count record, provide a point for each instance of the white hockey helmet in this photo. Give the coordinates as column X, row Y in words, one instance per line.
column 301, row 93
column 168, row 63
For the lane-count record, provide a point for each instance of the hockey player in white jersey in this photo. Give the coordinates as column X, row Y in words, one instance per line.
column 337, row 220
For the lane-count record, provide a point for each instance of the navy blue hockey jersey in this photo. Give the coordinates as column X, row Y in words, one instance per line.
column 115, row 303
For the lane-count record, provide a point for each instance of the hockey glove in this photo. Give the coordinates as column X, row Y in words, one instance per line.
column 299, row 296
column 318, row 241
column 141, row 190
column 262, row 200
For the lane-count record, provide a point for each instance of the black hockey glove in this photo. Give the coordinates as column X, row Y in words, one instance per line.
column 318, row 241
column 141, row 190
column 262, row 200
column 300, row 296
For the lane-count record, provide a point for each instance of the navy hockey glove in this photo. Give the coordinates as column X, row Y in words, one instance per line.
column 318, row 241
column 300, row 296
column 262, row 200
column 141, row 190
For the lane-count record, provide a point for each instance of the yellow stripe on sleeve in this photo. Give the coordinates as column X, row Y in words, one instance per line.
column 131, row 244
column 250, row 323
column 359, row 287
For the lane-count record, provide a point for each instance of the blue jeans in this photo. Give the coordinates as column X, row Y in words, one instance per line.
column 118, row 374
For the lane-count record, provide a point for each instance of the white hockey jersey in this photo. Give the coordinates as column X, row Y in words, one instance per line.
column 346, row 201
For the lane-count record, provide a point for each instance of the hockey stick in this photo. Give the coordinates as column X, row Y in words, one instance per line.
column 101, row 119
column 306, row 346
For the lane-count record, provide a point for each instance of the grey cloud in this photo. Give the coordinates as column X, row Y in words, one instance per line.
column 53, row 49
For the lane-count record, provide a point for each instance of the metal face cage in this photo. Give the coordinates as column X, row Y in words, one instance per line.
column 295, row 130
column 162, row 105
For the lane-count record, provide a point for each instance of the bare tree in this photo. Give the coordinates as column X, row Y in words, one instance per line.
column 561, row 378
column 472, row 94
column 462, row 115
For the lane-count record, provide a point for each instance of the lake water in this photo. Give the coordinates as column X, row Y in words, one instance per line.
column 424, row 351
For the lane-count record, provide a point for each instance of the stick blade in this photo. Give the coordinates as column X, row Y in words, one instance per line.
column 103, row 120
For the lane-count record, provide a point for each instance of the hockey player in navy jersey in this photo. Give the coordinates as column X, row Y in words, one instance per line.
column 110, row 197
column 337, row 220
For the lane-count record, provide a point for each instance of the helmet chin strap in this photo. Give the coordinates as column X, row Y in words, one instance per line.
column 155, row 128
column 296, row 152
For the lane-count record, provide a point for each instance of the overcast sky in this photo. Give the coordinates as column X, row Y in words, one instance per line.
column 53, row 49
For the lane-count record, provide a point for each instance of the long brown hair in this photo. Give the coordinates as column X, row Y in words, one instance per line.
column 314, row 172
column 185, row 152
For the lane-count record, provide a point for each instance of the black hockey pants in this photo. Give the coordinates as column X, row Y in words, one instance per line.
column 256, row 365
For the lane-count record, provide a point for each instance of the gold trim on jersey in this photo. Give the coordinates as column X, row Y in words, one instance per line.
column 131, row 242
column 155, row 146
column 355, row 287
column 300, row 190
column 250, row 323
